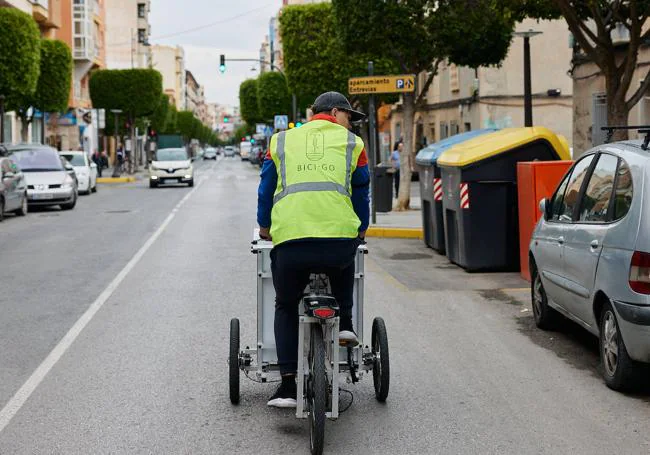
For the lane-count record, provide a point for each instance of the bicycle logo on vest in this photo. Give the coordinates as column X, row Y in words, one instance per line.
column 315, row 149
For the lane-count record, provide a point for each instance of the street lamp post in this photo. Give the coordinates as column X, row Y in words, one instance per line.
column 116, row 114
column 528, row 96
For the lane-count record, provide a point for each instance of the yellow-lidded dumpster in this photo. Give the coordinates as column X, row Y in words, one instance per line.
column 479, row 179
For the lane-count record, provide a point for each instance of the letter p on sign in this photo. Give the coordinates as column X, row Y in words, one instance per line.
column 399, row 83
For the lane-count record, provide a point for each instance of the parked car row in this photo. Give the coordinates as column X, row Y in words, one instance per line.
column 38, row 175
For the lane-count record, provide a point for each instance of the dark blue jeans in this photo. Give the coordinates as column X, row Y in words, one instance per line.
column 291, row 265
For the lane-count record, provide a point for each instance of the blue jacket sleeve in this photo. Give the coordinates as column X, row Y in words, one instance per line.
column 361, row 195
column 265, row 192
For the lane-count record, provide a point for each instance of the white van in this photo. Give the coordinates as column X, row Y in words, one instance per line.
column 245, row 150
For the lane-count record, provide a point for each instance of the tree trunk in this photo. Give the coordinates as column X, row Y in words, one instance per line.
column 404, row 197
column 24, row 129
column 132, row 152
column 617, row 113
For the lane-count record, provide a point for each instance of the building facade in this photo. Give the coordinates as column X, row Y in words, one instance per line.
column 170, row 61
column 463, row 99
column 127, row 34
column 192, row 93
column 590, row 102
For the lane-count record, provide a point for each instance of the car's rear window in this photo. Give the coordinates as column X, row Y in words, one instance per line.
column 76, row 159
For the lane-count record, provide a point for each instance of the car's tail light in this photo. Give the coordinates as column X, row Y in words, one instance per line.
column 640, row 272
column 324, row 313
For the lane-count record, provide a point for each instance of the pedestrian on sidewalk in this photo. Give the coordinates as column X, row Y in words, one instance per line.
column 97, row 159
column 117, row 169
column 394, row 160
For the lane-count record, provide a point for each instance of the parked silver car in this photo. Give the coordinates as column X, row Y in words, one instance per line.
column 590, row 257
column 13, row 189
column 48, row 181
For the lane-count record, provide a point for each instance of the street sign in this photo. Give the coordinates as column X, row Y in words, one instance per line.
column 268, row 131
column 259, row 128
column 381, row 84
column 281, row 122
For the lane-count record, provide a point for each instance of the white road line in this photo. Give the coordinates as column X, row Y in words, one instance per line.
column 22, row 395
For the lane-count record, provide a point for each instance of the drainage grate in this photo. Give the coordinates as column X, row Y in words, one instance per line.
column 409, row 256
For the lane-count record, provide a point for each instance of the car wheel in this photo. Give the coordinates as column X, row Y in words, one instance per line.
column 70, row 205
column 2, row 209
column 191, row 183
column 619, row 370
column 153, row 184
column 546, row 318
column 94, row 188
column 22, row 211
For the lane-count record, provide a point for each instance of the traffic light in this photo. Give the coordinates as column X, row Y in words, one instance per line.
column 252, row 140
column 298, row 124
column 291, row 125
column 226, row 120
column 222, row 63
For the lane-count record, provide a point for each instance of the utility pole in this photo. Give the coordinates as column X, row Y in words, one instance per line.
column 528, row 95
column 116, row 114
column 372, row 132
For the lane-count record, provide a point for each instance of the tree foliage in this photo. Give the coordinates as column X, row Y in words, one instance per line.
column 315, row 60
column 273, row 96
column 136, row 92
column 160, row 116
column 55, row 79
column 19, row 56
column 248, row 104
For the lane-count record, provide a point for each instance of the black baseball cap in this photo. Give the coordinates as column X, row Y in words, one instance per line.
column 330, row 100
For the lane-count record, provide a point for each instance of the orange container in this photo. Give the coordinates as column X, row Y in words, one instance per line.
column 536, row 180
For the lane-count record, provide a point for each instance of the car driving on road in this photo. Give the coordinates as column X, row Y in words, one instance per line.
column 171, row 165
column 13, row 189
column 48, row 181
column 210, row 154
column 590, row 257
column 85, row 170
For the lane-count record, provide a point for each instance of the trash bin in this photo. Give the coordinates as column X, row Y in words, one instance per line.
column 383, row 191
column 479, row 183
column 431, row 187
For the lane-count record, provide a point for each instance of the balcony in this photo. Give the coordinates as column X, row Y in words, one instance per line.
column 82, row 33
column 40, row 10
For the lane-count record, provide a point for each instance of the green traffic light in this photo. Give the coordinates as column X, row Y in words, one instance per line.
column 252, row 141
column 225, row 120
column 298, row 124
column 222, row 68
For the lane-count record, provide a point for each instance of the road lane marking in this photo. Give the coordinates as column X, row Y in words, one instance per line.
column 22, row 395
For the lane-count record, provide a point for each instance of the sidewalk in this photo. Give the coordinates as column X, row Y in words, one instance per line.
column 406, row 224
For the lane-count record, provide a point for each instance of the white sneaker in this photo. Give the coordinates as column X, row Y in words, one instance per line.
column 348, row 338
column 284, row 397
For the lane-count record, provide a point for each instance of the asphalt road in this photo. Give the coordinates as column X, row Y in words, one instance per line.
column 144, row 371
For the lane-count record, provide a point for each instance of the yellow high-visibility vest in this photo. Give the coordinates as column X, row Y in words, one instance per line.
column 313, row 197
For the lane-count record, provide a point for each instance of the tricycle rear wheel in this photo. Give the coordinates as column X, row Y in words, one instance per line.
column 233, row 361
column 381, row 364
column 317, row 391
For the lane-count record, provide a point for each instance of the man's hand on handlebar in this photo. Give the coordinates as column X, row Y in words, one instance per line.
column 265, row 233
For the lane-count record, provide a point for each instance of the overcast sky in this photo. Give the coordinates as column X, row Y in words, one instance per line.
column 236, row 37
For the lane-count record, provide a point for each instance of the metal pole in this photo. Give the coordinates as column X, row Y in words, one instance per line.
column 372, row 133
column 528, row 97
column 2, row 118
column 43, row 128
column 294, row 108
column 115, row 170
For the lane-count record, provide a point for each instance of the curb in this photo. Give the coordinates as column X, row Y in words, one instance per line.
column 395, row 233
column 115, row 179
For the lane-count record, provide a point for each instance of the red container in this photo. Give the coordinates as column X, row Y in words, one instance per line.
column 536, row 180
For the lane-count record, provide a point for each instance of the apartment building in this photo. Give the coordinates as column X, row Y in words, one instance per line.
column 127, row 34
column 170, row 61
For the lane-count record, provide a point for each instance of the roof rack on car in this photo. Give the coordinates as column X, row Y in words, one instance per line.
column 645, row 130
